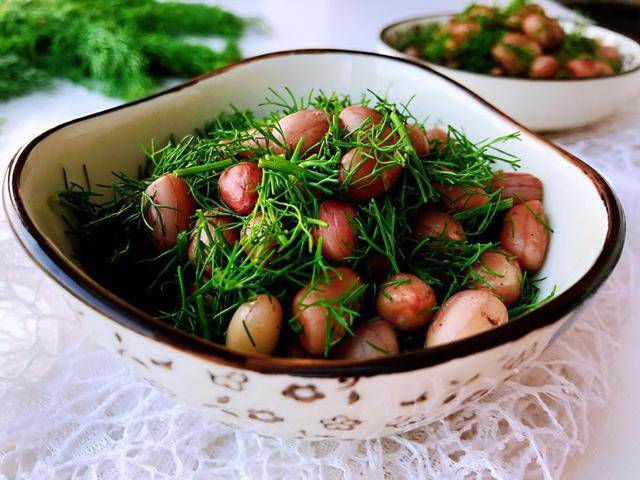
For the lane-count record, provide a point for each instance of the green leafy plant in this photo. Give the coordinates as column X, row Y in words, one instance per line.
column 122, row 48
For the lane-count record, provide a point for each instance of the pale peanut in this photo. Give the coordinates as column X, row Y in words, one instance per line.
column 255, row 326
column 465, row 314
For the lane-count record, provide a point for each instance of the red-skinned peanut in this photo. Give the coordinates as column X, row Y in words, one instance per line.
column 524, row 234
column 238, row 186
column 171, row 210
column 314, row 317
column 406, row 302
column 306, row 126
column 340, row 234
column 370, row 340
column 366, row 175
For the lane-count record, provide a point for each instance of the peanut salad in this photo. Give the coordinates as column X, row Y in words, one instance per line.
column 519, row 40
column 331, row 227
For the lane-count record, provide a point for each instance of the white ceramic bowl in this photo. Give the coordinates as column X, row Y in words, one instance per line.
column 542, row 105
column 296, row 397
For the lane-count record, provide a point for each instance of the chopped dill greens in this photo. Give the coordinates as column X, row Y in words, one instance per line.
column 378, row 348
column 249, row 336
column 122, row 48
column 225, row 255
column 508, row 41
column 529, row 296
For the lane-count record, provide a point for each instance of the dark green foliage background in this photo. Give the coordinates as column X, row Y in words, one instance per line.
column 122, row 48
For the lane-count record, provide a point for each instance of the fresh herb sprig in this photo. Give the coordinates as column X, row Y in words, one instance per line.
column 123, row 48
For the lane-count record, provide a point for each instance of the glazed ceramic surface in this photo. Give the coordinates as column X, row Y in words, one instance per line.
column 542, row 105
column 311, row 398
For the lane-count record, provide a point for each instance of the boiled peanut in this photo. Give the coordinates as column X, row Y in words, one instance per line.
column 406, row 302
column 218, row 228
column 514, row 21
column 461, row 30
column 581, row 68
column 438, row 138
column 432, row 223
column 370, row 340
column 545, row 66
column 413, row 52
column 339, row 236
column 170, row 209
column 254, row 144
column 354, row 116
column 255, row 326
column 545, row 31
column 418, row 139
column 524, row 234
column 500, row 273
column 604, row 69
column 365, row 174
column 238, row 186
column 503, row 52
column 461, row 197
column 465, row 314
column 310, row 126
column 518, row 186
column 610, row 54
column 314, row 317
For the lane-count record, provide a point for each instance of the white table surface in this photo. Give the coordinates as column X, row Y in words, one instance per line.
column 614, row 431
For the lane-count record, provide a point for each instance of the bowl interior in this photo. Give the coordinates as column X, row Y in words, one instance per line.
column 629, row 48
column 112, row 141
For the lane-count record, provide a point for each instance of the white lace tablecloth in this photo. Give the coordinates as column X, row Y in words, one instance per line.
column 68, row 409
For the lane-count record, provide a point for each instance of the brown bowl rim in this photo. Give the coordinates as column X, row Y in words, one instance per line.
column 81, row 286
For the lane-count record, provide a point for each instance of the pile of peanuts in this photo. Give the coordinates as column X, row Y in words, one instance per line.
column 529, row 46
column 404, row 302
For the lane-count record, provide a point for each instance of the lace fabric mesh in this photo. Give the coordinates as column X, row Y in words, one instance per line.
column 70, row 410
